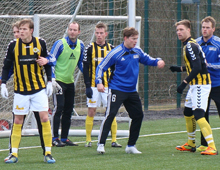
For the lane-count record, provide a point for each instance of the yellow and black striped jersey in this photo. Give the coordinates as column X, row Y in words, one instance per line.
column 93, row 55
column 195, row 63
column 28, row 74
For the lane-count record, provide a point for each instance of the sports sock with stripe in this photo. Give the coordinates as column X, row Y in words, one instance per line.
column 191, row 129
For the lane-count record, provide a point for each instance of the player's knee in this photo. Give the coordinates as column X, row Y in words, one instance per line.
column 188, row 111
column 198, row 113
column 91, row 112
column 136, row 116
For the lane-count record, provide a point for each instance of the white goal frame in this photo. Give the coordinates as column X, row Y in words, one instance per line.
column 30, row 118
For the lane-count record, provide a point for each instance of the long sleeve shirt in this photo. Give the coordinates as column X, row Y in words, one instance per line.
column 211, row 48
column 125, row 67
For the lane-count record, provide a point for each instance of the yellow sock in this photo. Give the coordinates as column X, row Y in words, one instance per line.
column 15, row 138
column 89, row 126
column 114, row 130
column 191, row 129
column 47, row 136
column 207, row 132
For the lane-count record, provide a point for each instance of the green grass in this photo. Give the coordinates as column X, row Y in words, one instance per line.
column 158, row 151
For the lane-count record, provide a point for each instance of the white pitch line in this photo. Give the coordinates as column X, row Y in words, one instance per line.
column 154, row 134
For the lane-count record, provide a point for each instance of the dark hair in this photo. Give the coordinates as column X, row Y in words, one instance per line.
column 184, row 22
column 129, row 31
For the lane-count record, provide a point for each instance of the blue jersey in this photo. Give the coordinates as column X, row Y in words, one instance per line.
column 211, row 48
column 57, row 49
column 124, row 63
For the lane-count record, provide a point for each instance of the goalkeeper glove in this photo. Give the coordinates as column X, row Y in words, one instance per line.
column 49, row 88
column 4, row 91
column 57, row 89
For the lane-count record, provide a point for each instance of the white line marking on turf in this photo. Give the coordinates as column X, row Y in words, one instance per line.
column 154, row 134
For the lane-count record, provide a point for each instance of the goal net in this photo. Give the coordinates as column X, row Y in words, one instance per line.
column 51, row 19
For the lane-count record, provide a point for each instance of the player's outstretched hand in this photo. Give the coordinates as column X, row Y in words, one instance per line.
column 89, row 92
column 4, row 91
column 160, row 64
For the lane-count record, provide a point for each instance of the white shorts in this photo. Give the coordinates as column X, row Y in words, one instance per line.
column 98, row 98
column 33, row 102
column 197, row 97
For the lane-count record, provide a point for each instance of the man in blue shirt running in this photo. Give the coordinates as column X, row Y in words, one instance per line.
column 124, row 61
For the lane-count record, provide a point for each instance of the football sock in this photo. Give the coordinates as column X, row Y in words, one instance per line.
column 89, row 126
column 15, row 138
column 47, row 136
column 63, row 139
column 191, row 129
column 54, row 138
column 114, row 130
column 206, row 131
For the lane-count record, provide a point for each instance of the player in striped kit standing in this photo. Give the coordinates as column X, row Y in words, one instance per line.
column 200, row 85
column 29, row 86
column 93, row 55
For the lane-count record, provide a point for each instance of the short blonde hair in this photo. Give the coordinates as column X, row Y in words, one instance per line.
column 209, row 19
column 184, row 22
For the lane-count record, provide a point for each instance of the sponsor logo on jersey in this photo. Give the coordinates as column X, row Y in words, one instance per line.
column 72, row 56
column 136, row 56
column 98, row 59
column 212, row 49
column 35, row 50
column 122, row 59
column 27, row 47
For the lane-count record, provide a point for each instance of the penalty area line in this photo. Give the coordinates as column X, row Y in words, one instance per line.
column 154, row 134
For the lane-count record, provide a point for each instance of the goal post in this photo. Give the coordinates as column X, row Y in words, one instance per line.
column 51, row 27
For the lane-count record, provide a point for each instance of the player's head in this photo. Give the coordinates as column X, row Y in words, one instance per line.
column 183, row 29
column 130, row 35
column 100, row 33
column 208, row 27
column 73, row 31
column 26, row 29
column 15, row 29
